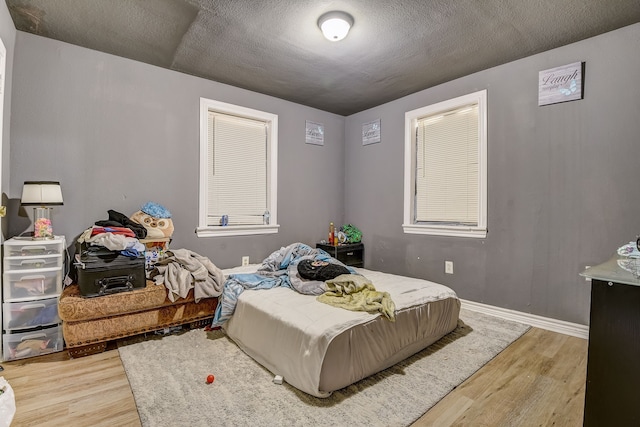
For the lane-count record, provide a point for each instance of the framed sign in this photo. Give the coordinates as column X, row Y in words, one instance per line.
column 371, row 132
column 561, row 84
column 314, row 133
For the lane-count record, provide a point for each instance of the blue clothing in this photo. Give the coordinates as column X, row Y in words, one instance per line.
column 272, row 273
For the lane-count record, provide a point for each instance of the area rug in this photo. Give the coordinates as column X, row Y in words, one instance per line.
column 168, row 379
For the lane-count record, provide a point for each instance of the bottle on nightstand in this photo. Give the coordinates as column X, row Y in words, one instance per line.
column 331, row 233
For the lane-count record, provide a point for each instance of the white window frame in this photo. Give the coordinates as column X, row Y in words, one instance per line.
column 411, row 120
column 205, row 230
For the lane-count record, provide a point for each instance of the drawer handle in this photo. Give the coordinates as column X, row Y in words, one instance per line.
column 32, row 261
column 38, row 277
column 33, row 336
column 30, row 306
column 33, row 248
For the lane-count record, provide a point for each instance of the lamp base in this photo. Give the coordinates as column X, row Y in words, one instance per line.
column 42, row 228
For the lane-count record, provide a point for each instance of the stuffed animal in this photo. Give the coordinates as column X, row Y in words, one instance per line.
column 156, row 219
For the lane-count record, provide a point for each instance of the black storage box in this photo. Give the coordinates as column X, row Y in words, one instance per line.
column 103, row 272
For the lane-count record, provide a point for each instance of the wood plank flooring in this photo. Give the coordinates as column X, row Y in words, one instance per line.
column 55, row 390
column 539, row 380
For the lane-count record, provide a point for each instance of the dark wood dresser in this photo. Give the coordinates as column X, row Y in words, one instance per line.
column 613, row 366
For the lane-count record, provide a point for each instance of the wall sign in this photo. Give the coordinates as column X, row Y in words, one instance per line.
column 314, row 133
column 561, row 84
column 371, row 132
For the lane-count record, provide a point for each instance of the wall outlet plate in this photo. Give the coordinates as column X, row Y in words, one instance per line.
column 245, row 260
column 448, row 267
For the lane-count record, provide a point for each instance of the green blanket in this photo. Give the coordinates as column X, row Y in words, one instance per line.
column 357, row 293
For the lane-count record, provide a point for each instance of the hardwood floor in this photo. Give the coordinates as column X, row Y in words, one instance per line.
column 539, row 380
column 55, row 390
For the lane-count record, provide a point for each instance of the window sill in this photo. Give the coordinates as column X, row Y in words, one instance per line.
column 478, row 233
column 236, row 230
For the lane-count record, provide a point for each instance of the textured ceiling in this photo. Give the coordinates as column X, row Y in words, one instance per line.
column 396, row 47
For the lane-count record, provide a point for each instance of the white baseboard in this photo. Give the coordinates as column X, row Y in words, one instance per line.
column 560, row 326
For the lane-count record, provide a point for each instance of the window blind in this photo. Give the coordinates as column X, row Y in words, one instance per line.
column 237, row 156
column 447, row 167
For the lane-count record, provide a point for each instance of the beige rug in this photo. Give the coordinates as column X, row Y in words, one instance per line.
column 168, row 378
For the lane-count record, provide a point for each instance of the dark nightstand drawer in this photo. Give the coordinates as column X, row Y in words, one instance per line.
column 352, row 254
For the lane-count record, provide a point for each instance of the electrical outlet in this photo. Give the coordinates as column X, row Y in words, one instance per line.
column 448, row 267
column 245, row 260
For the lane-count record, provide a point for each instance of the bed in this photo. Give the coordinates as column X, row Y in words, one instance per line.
column 318, row 348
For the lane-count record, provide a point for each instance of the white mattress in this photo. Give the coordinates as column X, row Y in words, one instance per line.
column 319, row 348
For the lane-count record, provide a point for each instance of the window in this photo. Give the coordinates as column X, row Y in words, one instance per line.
column 445, row 174
column 238, row 170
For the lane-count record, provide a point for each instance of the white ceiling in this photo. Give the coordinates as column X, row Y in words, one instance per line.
column 275, row 47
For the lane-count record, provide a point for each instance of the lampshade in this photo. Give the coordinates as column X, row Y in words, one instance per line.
column 41, row 193
column 335, row 25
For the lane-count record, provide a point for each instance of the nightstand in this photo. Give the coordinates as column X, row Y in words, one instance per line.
column 349, row 254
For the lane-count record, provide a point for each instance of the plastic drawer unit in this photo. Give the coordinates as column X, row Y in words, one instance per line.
column 32, row 262
column 32, row 343
column 29, row 314
column 32, row 283
column 28, row 284
column 26, row 248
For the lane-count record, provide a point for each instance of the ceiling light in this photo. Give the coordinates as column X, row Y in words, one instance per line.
column 335, row 25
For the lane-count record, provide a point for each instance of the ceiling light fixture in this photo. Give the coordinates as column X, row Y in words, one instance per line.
column 335, row 25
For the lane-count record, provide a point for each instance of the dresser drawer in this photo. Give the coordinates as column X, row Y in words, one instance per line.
column 349, row 254
column 32, row 262
column 352, row 257
column 32, row 343
column 30, row 314
column 31, row 284
column 13, row 248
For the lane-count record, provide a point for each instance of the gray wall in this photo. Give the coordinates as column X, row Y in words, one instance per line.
column 562, row 178
column 563, row 182
column 8, row 36
column 118, row 133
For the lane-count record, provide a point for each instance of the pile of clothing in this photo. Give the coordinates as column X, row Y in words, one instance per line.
column 178, row 270
column 182, row 270
column 307, row 271
column 123, row 234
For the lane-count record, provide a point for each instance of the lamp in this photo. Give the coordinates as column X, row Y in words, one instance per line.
column 41, row 195
column 335, row 25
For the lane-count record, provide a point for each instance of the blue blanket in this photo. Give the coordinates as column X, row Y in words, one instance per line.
column 272, row 273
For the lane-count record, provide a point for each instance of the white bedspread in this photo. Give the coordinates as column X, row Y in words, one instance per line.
column 305, row 327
